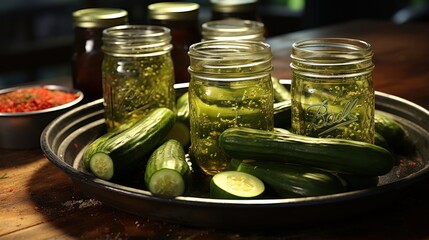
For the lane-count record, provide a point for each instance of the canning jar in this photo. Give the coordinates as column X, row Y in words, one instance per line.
column 241, row 9
column 87, row 54
column 182, row 20
column 233, row 29
column 230, row 87
column 332, row 89
column 137, row 71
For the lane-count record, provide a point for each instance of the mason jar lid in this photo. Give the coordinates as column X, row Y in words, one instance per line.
column 174, row 11
column 233, row 29
column 229, row 6
column 99, row 17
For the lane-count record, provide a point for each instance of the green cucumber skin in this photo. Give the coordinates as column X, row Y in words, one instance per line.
column 393, row 133
column 182, row 109
column 293, row 180
column 389, row 128
column 338, row 155
column 169, row 155
column 92, row 148
column 130, row 147
column 281, row 93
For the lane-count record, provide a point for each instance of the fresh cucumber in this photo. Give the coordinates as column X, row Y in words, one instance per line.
column 93, row 146
column 181, row 129
column 292, row 180
column 379, row 140
column 393, row 132
column 181, row 133
column 127, row 149
column 101, row 165
column 235, row 185
column 167, row 172
column 281, row 93
column 338, row 155
column 182, row 108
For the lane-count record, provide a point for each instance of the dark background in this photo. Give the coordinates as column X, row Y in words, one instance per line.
column 36, row 37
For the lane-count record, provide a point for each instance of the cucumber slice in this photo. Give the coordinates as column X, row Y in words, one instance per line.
column 101, row 165
column 167, row 183
column 235, row 185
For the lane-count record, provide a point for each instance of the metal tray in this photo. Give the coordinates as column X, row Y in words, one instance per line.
column 64, row 139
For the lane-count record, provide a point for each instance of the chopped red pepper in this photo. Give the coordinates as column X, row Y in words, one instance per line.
column 34, row 99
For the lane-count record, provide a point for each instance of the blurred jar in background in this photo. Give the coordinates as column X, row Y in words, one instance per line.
column 233, row 29
column 88, row 56
column 241, row 9
column 182, row 19
column 137, row 72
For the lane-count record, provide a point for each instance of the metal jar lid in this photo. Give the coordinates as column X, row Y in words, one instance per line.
column 99, row 17
column 229, row 6
column 174, row 11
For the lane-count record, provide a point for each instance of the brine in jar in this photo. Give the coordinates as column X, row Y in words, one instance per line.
column 230, row 87
column 137, row 72
column 332, row 89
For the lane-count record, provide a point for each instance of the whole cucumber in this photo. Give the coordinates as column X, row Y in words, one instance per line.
column 128, row 149
column 338, row 155
column 293, row 180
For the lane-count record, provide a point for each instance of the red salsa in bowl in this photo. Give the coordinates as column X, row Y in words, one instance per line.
column 31, row 99
column 26, row 110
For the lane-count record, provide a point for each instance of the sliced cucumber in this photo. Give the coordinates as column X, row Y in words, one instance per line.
column 167, row 172
column 167, row 183
column 101, row 165
column 235, row 185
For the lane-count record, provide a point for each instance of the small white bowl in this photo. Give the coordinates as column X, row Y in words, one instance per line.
column 22, row 130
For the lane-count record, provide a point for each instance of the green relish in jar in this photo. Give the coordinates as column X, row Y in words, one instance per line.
column 137, row 72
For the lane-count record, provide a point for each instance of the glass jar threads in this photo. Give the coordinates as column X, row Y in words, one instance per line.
column 137, row 71
column 233, row 29
column 87, row 55
column 230, row 87
column 332, row 89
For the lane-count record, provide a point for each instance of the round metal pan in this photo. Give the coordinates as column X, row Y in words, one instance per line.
column 64, row 139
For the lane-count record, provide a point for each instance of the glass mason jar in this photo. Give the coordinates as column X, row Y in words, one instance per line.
column 182, row 20
column 233, row 29
column 230, row 87
column 137, row 71
column 332, row 89
column 241, row 9
column 87, row 54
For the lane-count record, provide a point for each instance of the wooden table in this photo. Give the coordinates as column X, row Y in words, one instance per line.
column 37, row 200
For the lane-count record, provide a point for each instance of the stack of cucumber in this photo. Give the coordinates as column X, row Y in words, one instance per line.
column 278, row 162
column 147, row 142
